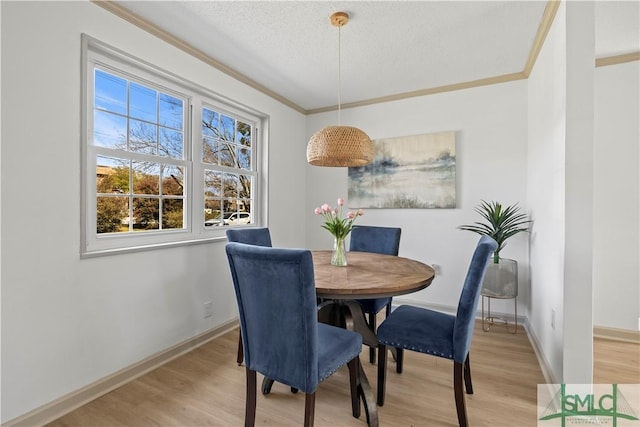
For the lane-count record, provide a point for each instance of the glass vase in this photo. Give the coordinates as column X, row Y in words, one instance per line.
column 339, row 257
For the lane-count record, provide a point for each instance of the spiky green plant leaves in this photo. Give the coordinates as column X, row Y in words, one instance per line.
column 501, row 223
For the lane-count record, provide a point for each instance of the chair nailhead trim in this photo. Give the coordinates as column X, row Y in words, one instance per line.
column 418, row 349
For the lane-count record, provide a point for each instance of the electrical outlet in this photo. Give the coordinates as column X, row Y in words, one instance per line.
column 553, row 319
column 208, row 309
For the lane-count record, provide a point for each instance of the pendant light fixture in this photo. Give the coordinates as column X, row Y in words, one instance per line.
column 339, row 145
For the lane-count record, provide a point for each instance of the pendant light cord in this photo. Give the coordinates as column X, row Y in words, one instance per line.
column 339, row 77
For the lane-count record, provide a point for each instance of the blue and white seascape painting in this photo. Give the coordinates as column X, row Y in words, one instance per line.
column 410, row 172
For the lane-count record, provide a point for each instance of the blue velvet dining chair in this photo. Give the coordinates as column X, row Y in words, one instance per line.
column 250, row 236
column 438, row 334
column 380, row 240
column 276, row 295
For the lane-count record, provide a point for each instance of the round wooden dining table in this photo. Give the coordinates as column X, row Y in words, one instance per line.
column 369, row 275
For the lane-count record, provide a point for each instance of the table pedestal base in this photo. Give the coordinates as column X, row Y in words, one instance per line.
column 348, row 314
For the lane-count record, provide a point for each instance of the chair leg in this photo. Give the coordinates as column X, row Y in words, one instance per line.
column 467, row 376
column 372, row 326
column 399, row 359
column 250, row 405
column 309, row 409
column 457, row 388
column 354, row 376
column 382, row 372
column 240, row 357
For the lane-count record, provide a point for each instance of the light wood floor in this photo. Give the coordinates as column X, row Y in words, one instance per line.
column 206, row 388
column 615, row 362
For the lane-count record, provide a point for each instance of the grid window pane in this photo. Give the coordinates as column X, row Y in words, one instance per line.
column 171, row 112
column 110, row 92
column 212, row 184
column 230, row 185
column 146, row 178
column 171, row 143
column 109, row 130
column 243, row 134
column 146, row 213
column 210, row 123
column 227, row 128
column 209, row 151
column 227, row 153
column 245, row 186
column 143, row 103
column 143, row 137
column 112, row 215
column 112, row 175
column 172, row 180
column 244, row 157
column 172, row 214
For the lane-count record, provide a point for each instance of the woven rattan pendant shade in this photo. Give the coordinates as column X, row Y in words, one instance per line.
column 340, row 146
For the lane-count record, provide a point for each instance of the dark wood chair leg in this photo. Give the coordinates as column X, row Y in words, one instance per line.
column 467, row 376
column 309, row 409
column 250, row 405
column 354, row 376
column 372, row 326
column 240, row 357
column 267, row 383
column 399, row 359
column 457, row 388
column 382, row 372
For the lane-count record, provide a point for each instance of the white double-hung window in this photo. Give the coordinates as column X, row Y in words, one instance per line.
column 165, row 161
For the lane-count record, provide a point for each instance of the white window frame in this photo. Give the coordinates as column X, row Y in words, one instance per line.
column 96, row 53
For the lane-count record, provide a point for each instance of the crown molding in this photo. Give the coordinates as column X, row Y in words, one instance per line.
column 617, row 59
column 545, row 25
column 423, row 92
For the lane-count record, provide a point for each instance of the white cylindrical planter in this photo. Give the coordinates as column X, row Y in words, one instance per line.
column 500, row 281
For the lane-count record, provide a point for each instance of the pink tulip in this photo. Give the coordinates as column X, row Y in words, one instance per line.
column 351, row 215
column 360, row 212
column 335, row 211
column 340, row 202
column 325, row 208
column 318, row 211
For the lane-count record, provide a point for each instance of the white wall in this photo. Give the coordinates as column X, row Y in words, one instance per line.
column 616, row 256
column 490, row 125
column 546, row 192
column 561, row 193
column 578, row 255
column 67, row 322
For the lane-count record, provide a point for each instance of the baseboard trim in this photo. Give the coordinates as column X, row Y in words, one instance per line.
column 545, row 366
column 522, row 320
column 614, row 334
column 67, row 403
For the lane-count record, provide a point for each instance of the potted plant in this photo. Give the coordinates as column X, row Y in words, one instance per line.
column 501, row 224
column 501, row 276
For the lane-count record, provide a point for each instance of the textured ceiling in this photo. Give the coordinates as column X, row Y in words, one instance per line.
column 387, row 48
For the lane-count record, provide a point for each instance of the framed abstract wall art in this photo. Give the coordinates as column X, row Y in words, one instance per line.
column 409, row 172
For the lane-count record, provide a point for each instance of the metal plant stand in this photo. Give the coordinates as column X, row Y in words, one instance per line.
column 501, row 282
